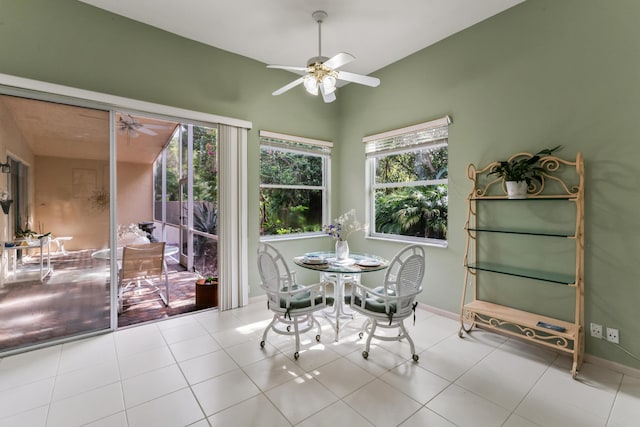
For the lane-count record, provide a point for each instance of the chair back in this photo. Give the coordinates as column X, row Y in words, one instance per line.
column 406, row 271
column 144, row 260
column 274, row 272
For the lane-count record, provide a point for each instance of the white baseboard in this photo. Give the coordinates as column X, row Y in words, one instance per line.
column 614, row 366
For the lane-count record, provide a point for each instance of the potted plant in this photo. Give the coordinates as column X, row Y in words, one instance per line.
column 5, row 201
column 519, row 171
column 206, row 291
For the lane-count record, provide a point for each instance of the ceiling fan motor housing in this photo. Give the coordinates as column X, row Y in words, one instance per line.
column 319, row 15
column 316, row 60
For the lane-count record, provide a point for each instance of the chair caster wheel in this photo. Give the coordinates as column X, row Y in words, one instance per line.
column 365, row 354
column 288, row 328
column 296, row 355
column 360, row 335
column 318, row 338
column 262, row 344
column 415, row 357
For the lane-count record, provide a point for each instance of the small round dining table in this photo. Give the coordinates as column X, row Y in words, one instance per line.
column 343, row 271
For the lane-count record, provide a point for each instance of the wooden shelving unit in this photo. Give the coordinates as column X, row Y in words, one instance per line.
column 561, row 182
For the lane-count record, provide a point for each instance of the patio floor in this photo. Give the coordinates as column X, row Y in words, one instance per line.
column 73, row 299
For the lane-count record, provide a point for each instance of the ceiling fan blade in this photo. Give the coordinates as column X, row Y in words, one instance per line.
column 339, row 60
column 153, row 126
column 328, row 97
column 291, row 85
column 288, row 67
column 145, row 130
column 358, row 78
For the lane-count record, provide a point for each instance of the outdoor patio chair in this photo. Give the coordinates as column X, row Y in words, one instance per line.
column 388, row 305
column 293, row 304
column 141, row 264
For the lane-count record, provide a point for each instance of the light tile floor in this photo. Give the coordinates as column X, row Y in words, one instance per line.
column 206, row 369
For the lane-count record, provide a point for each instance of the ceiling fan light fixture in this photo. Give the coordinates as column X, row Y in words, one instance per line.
column 311, row 84
column 329, row 84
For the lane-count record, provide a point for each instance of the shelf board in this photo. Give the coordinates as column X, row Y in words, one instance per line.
column 564, row 279
column 523, row 318
column 523, row 232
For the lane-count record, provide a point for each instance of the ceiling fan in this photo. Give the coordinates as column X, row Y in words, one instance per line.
column 128, row 123
column 321, row 73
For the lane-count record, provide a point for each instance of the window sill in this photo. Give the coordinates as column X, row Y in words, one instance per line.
column 298, row 236
column 409, row 240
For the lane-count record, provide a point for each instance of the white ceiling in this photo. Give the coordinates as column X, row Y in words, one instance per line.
column 376, row 32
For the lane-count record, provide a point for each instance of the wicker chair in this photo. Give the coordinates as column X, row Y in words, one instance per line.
column 293, row 304
column 388, row 305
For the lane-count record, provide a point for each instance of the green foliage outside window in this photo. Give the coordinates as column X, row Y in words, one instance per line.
column 418, row 207
column 205, row 164
column 289, row 207
column 413, row 211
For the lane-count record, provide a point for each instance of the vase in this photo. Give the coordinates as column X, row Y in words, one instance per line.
column 342, row 250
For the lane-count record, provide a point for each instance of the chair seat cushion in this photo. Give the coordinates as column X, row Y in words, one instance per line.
column 375, row 305
column 303, row 300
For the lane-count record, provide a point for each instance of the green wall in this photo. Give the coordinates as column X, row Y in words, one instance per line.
column 540, row 74
column 543, row 73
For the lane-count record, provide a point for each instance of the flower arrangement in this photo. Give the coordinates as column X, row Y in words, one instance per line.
column 343, row 226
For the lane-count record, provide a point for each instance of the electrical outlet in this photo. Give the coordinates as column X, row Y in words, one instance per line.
column 613, row 335
column 596, row 330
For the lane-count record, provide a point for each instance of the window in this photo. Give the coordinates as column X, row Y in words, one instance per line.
column 294, row 184
column 407, row 173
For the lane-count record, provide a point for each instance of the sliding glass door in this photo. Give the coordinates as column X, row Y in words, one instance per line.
column 51, row 287
column 57, row 278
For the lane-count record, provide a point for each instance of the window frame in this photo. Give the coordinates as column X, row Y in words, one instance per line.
column 305, row 146
column 398, row 141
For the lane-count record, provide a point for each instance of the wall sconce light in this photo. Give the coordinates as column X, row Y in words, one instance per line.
column 5, row 168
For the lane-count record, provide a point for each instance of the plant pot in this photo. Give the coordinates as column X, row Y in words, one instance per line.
column 517, row 189
column 207, row 294
column 5, row 205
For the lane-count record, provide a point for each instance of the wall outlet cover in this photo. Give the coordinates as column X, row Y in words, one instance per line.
column 596, row 330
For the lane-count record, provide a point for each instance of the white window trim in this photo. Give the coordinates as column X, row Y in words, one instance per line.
column 370, row 178
column 446, row 120
column 293, row 138
column 325, row 153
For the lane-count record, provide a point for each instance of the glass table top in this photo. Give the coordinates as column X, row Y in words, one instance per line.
column 327, row 262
